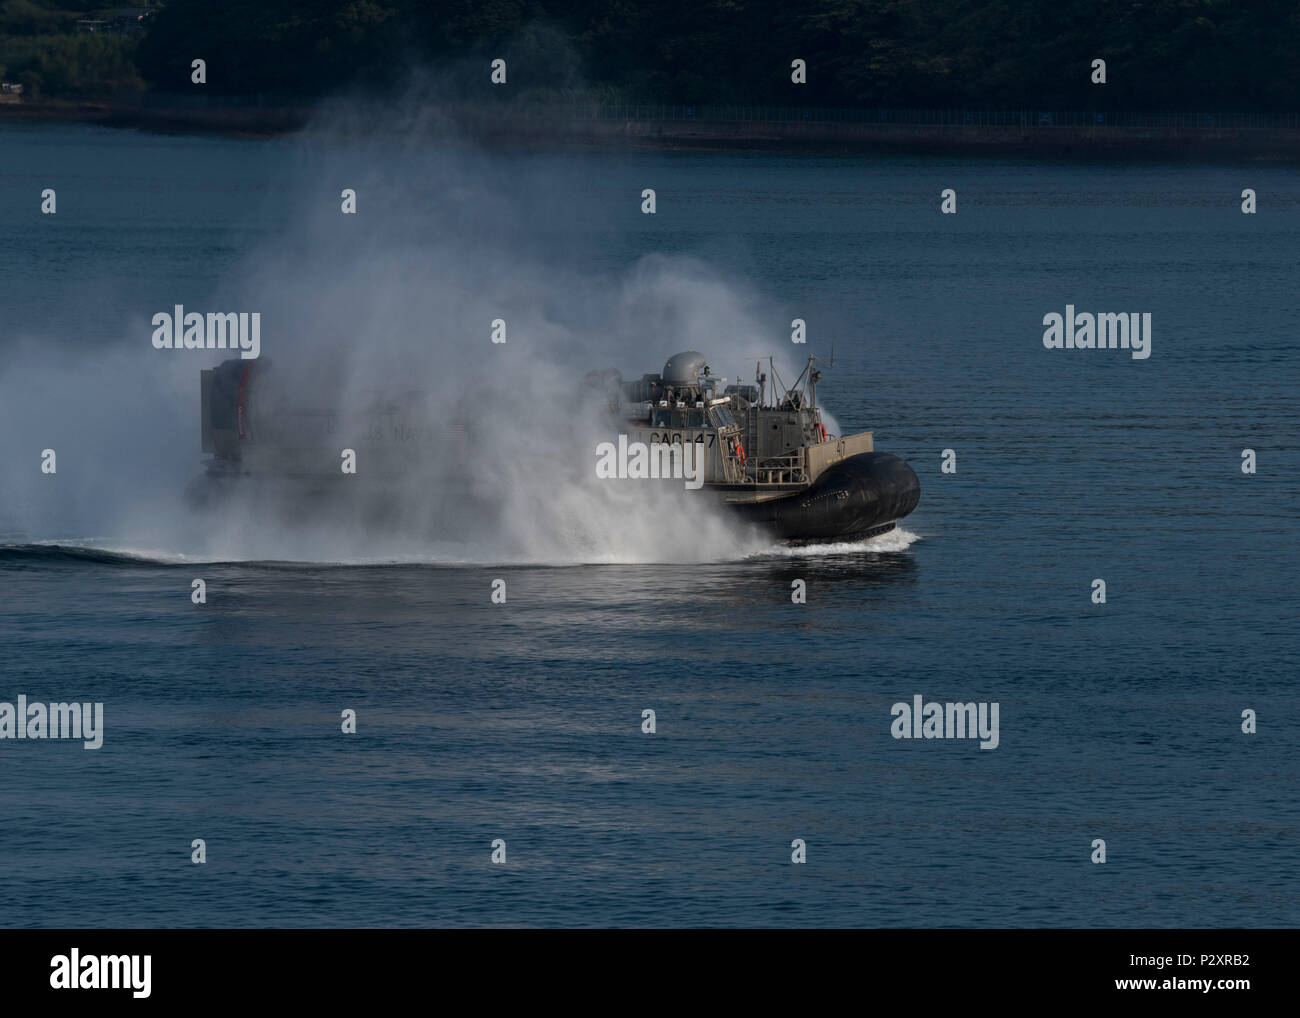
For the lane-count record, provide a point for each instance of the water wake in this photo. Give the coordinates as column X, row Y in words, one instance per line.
column 753, row 547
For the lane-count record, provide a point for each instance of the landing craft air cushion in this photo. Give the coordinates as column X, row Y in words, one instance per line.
column 769, row 460
column 764, row 451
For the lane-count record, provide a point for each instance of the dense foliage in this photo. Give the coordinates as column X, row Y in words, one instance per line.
column 1160, row 54
column 41, row 49
column 70, row 66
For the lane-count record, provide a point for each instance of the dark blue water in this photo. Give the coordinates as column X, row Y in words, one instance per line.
column 522, row 721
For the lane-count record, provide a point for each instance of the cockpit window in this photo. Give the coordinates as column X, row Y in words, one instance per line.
column 660, row 418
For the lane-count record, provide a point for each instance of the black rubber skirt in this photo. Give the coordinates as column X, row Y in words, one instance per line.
column 862, row 495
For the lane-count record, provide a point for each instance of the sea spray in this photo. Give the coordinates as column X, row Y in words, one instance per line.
column 394, row 302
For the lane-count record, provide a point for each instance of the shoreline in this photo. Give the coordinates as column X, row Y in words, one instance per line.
column 504, row 127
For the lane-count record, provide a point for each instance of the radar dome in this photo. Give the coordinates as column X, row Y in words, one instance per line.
column 685, row 368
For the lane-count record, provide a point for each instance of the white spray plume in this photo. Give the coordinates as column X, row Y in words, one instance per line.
column 398, row 300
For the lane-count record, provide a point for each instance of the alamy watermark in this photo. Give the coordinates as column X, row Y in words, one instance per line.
column 179, row 330
column 1104, row 331
column 920, row 720
column 73, row 971
column 639, row 461
column 84, row 721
